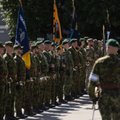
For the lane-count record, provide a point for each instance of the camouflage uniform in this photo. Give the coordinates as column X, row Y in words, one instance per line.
column 43, row 79
column 68, row 74
column 90, row 58
column 61, row 78
column 3, row 77
column 106, row 74
column 83, row 69
column 76, row 68
column 49, row 79
column 21, row 77
column 29, row 86
column 11, row 80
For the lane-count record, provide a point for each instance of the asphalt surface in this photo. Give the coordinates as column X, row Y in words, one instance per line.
column 79, row 109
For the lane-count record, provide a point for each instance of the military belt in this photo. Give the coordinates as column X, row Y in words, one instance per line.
column 110, row 86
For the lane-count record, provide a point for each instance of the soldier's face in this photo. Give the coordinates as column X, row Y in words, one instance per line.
column 9, row 49
column 1, row 51
column 112, row 50
column 66, row 46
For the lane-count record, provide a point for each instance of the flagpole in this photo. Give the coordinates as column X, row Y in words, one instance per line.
column 20, row 1
column 103, row 39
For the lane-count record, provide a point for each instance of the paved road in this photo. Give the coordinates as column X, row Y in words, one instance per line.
column 79, row 109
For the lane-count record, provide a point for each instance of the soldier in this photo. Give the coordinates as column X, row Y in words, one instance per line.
column 60, row 75
column 97, row 48
column 106, row 75
column 68, row 70
column 43, row 79
column 21, row 77
column 33, row 74
column 90, row 58
column 11, row 80
column 50, row 97
column 3, row 80
column 76, row 67
column 83, row 69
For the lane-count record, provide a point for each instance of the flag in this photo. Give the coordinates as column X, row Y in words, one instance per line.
column 57, row 33
column 22, row 38
column 74, row 26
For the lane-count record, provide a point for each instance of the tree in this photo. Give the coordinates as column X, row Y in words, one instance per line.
column 38, row 16
column 91, row 15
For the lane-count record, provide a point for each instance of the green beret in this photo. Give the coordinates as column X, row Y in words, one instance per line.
column 53, row 44
column 33, row 46
column 90, row 39
column 82, row 39
column 9, row 43
column 113, row 43
column 17, row 47
column 86, row 37
column 47, row 42
column 1, row 45
column 39, row 42
column 73, row 40
column 65, row 41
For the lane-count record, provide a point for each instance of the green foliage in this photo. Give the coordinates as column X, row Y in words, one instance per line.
column 38, row 16
column 91, row 15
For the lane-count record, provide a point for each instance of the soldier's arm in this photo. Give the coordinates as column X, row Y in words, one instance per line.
column 93, row 80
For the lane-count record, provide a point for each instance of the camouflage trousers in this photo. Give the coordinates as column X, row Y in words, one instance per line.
column 88, row 71
column 60, row 85
column 28, row 96
column 76, row 84
column 10, row 99
column 68, row 83
column 109, row 107
column 19, row 98
column 2, row 100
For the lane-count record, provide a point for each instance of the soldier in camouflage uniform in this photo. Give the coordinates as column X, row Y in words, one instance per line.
column 90, row 58
column 21, row 77
column 97, row 48
column 60, row 74
column 11, row 80
column 50, row 97
column 43, row 76
column 83, row 70
column 76, row 68
column 68, row 70
column 106, row 75
column 3, row 80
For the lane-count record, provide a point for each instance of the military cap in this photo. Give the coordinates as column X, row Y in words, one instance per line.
column 1, row 45
column 82, row 39
column 73, row 40
column 53, row 44
column 33, row 46
column 39, row 42
column 86, row 37
column 113, row 43
column 89, row 39
column 9, row 43
column 17, row 47
column 65, row 41
column 47, row 42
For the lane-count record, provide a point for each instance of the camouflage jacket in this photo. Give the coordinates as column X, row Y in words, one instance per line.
column 11, row 65
column 21, row 69
column 3, row 69
column 106, row 74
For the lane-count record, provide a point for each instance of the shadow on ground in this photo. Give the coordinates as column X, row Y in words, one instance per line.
column 61, row 111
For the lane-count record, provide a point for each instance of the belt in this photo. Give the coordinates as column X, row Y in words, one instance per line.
column 110, row 86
